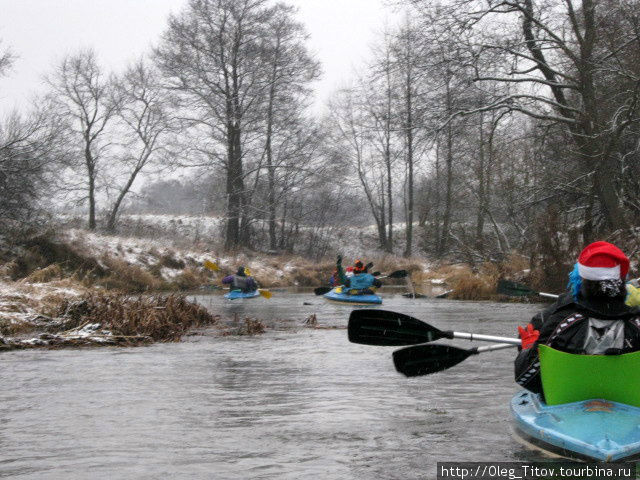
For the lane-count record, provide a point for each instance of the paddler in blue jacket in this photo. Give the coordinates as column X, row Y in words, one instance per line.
column 362, row 281
column 592, row 318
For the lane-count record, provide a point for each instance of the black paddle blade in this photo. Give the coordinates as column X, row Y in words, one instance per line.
column 513, row 289
column 385, row 328
column 398, row 274
column 322, row 290
column 426, row 359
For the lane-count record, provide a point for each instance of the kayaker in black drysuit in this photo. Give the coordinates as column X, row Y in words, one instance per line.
column 241, row 281
column 592, row 318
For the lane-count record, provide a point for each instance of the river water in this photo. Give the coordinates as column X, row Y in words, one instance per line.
column 292, row 403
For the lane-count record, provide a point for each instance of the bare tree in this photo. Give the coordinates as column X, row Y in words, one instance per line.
column 30, row 148
column 566, row 59
column 211, row 54
column 349, row 116
column 143, row 110
column 83, row 97
column 291, row 68
column 382, row 103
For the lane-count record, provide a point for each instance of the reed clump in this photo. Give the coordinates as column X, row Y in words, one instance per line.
column 159, row 317
column 480, row 285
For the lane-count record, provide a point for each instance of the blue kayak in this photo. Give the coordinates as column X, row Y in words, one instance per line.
column 338, row 296
column 234, row 294
column 597, row 429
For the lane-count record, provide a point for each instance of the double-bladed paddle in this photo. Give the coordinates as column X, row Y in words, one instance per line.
column 386, row 328
column 425, row 359
column 396, row 274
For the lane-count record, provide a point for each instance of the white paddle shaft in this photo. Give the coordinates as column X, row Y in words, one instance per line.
column 548, row 295
column 499, row 346
column 486, row 338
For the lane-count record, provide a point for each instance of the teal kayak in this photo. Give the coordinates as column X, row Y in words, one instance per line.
column 593, row 429
column 234, row 294
column 338, row 296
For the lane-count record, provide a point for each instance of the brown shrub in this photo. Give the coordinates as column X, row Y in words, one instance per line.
column 473, row 287
column 467, row 285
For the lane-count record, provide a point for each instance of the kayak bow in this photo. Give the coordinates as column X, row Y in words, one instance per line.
column 593, row 429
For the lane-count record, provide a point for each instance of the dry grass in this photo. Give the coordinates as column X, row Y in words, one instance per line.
column 170, row 261
column 46, row 274
column 128, row 278
column 190, row 279
column 472, row 288
column 475, row 285
column 9, row 329
column 40, row 252
column 161, row 318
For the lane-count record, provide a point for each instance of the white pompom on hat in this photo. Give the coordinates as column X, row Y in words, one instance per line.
column 603, row 261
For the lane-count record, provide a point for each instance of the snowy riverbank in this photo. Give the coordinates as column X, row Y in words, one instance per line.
column 44, row 278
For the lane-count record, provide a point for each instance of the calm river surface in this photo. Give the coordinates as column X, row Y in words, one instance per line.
column 292, row 403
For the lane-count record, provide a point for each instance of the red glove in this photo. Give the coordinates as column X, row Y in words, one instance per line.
column 528, row 336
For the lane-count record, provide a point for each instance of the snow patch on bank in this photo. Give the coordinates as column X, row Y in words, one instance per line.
column 22, row 302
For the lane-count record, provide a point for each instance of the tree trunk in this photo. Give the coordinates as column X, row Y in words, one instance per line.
column 446, row 220
column 92, row 188
column 481, row 191
column 232, row 238
column 387, row 158
column 409, row 106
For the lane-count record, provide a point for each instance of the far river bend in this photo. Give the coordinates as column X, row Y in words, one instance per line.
column 292, row 403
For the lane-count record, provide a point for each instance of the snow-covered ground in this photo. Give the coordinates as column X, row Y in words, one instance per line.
column 21, row 302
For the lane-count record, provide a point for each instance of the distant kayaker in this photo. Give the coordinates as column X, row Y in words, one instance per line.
column 241, row 281
column 591, row 318
column 362, row 281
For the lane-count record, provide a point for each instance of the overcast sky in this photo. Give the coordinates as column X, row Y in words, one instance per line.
column 40, row 32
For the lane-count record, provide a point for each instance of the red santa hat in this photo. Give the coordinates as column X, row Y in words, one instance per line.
column 603, row 261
